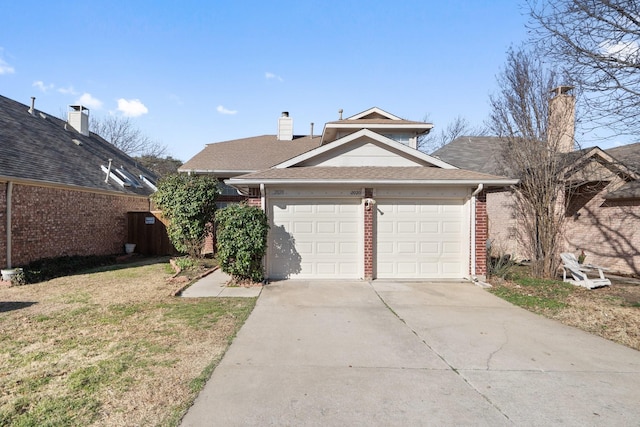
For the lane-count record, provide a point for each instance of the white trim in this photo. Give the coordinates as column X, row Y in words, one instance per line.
column 369, row 134
column 230, row 172
column 373, row 110
column 370, row 182
column 394, row 126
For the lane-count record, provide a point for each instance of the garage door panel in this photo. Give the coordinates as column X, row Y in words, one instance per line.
column 301, row 209
column 420, row 239
column 451, row 227
column 406, row 248
column 451, row 248
column 406, row 227
column 315, row 239
column 349, row 248
column 325, row 227
column 429, row 248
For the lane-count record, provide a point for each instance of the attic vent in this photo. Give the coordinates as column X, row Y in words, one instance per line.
column 76, row 141
column 44, row 116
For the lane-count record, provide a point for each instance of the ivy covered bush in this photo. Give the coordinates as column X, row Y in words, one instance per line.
column 242, row 241
column 189, row 203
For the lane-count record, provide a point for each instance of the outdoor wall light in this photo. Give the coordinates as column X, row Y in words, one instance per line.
column 368, row 203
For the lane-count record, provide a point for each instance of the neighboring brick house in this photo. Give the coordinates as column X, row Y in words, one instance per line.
column 55, row 198
column 358, row 201
column 602, row 216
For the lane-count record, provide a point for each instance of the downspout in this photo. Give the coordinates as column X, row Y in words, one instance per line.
column 473, row 230
column 263, row 205
column 8, row 203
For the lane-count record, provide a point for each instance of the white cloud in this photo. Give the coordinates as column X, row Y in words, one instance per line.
column 6, row 68
column 43, row 87
column 67, row 90
column 623, row 50
column 89, row 101
column 271, row 76
column 132, row 107
column 223, row 110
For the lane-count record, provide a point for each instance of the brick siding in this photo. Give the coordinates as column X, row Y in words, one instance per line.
column 369, row 215
column 50, row 222
column 482, row 232
column 607, row 231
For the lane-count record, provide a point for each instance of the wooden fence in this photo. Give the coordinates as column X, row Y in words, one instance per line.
column 148, row 231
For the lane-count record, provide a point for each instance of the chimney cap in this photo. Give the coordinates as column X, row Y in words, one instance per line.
column 285, row 114
column 562, row 90
column 78, row 108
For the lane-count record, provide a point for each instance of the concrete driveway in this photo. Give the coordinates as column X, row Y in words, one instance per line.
column 401, row 354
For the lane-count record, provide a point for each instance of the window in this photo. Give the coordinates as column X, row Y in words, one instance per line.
column 402, row 138
column 226, row 190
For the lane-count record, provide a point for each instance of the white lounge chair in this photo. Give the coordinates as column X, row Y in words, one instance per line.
column 579, row 273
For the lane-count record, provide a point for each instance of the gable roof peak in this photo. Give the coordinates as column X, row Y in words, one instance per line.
column 374, row 113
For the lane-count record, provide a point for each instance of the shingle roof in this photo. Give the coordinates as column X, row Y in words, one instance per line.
column 38, row 147
column 248, row 154
column 371, row 174
column 482, row 154
column 477, row 153
column 630, row 190
column 628, row 154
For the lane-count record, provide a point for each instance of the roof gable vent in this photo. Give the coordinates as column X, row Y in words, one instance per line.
column 285, row 127
column 78, row 118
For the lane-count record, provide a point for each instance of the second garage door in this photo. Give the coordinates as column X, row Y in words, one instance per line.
column 421, row 239
column 315, row 239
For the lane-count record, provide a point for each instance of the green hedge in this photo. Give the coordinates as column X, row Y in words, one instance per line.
column 242, row 241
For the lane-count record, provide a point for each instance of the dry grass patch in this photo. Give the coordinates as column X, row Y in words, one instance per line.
column 109, row 348
column 610, row 312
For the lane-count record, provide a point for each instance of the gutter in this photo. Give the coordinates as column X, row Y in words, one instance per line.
column 369, row 182
column 473, row 230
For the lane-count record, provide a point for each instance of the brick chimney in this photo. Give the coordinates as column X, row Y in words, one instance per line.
column 562, row 120
column 78, row 118
column 285, row 127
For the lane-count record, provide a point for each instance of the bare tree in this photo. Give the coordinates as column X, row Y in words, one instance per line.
column 122, row 132
column 598, row 44
column 533, row 153
column 459, row 127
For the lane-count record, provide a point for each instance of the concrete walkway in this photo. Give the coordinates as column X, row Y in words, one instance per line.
column 400, row 354
column 215, row 285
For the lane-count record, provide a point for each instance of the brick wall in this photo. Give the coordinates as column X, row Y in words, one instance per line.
column 3, row 225
column 482, row 232
column 607, row 231
column 51, row 222
column 369, row 215
column 503, row 226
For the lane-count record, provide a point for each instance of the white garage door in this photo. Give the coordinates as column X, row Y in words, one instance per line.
column 315, row 239
column 421, row 239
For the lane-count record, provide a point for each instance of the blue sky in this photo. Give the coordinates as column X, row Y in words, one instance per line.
column 195, row 72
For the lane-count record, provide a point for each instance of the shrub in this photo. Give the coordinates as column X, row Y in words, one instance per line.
column 189, row 203
column 242, row 241
column 50, row 268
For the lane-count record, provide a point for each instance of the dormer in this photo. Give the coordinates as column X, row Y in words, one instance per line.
column 377, row 120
